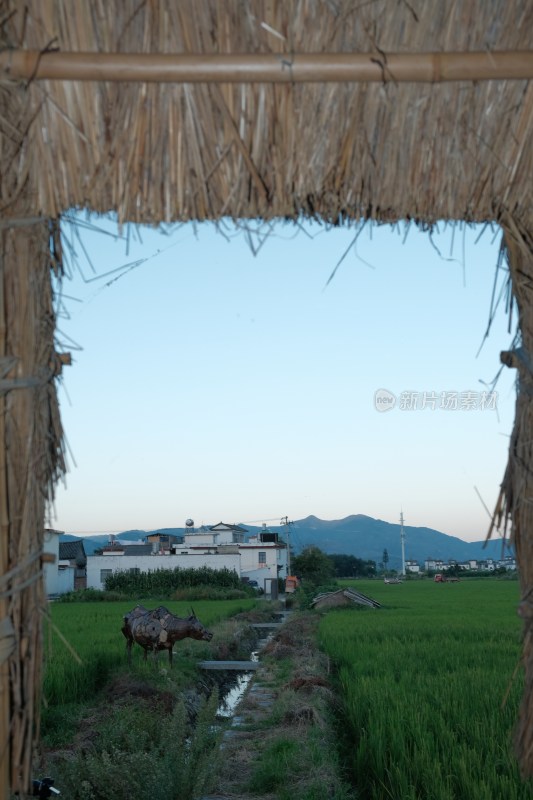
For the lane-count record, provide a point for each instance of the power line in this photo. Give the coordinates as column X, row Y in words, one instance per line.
column 123, row 530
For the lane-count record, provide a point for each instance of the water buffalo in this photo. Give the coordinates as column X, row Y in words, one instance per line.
column 160, row 630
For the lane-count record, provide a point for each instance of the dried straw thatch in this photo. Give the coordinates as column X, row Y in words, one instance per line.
column 30, row 460
column 342, row 597
column 385, row 150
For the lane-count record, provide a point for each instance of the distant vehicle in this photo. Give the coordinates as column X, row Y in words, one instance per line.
column 439, row 578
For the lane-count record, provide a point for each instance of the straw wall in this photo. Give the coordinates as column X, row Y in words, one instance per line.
column 155, row 153
column 31, row 456
column 30, row 460
column 517, row 487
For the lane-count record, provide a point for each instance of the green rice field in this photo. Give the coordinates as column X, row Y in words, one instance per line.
column 430, row 689
column 83, row 644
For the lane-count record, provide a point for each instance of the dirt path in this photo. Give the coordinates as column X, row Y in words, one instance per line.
column 285, row 717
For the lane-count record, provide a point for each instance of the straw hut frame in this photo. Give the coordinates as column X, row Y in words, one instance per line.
column 164, row 111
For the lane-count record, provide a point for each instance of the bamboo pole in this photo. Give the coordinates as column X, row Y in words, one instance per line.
column 5, row 753
column 270, row 68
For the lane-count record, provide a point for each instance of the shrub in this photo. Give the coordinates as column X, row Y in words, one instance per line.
column 212, row 593
column 164, row 582
column 91, row 596
column 138, row 755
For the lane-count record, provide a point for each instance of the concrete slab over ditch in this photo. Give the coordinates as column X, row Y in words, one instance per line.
column 263, row 626
column 236, row 666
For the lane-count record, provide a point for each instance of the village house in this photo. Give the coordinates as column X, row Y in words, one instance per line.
column 434, row 565
column 50, row 560
column 73, row 560
column 470, row 565
column 163, row 541
column 64, row 564
column 509, row 563
column 262, row 558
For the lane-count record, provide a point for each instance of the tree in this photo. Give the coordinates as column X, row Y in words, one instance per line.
column 347, row 566
column 313, row 566
column 385, row 558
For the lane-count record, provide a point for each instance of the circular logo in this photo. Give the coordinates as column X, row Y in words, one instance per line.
column 384, row 400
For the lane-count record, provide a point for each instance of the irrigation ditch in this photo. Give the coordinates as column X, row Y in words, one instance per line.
column 267, row 732
column 282, row 741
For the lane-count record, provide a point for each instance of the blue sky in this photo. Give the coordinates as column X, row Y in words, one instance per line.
column 219, row 384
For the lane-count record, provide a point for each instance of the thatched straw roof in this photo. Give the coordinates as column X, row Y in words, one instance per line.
column 384, row 150
column 343, row 597
column 379, row 149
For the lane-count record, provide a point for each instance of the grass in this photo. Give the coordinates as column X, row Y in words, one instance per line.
column 429, row 703
column 111, row 731
column 138, row 753
column 287, row 747
column 275, row 766
column 84, row 644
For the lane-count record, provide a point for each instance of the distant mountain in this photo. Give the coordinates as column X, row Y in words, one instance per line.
column 357, row 535
column 92, row 543
column 366, row 537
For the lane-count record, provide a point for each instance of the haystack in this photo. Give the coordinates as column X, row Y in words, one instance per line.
column 334, row 110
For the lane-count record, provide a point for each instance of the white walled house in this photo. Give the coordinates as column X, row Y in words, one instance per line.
column 228, row 534
column 221, row 546
column 262, row 557
column 72, row 566
column 434, row 565
column 51, row 561
column 261, row 560
column 64, row 564
column 509, row 563
column 488, row 565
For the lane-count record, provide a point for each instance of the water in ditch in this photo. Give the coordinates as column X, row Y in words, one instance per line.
column 234, row 695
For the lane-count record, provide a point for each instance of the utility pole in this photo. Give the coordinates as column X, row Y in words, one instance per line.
column 287, row 524
column 402, row 540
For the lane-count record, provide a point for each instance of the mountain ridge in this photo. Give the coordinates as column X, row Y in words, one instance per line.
column 357, row 534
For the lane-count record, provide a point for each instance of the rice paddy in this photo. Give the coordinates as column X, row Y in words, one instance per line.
column 429, row 685
column 430, row 690
column 84, row 644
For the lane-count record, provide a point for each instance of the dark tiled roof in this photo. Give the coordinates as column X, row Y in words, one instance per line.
column 70, row 551
column 227, row 526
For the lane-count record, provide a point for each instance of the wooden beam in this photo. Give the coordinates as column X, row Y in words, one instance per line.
column 5, row 703
column 267, row 68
